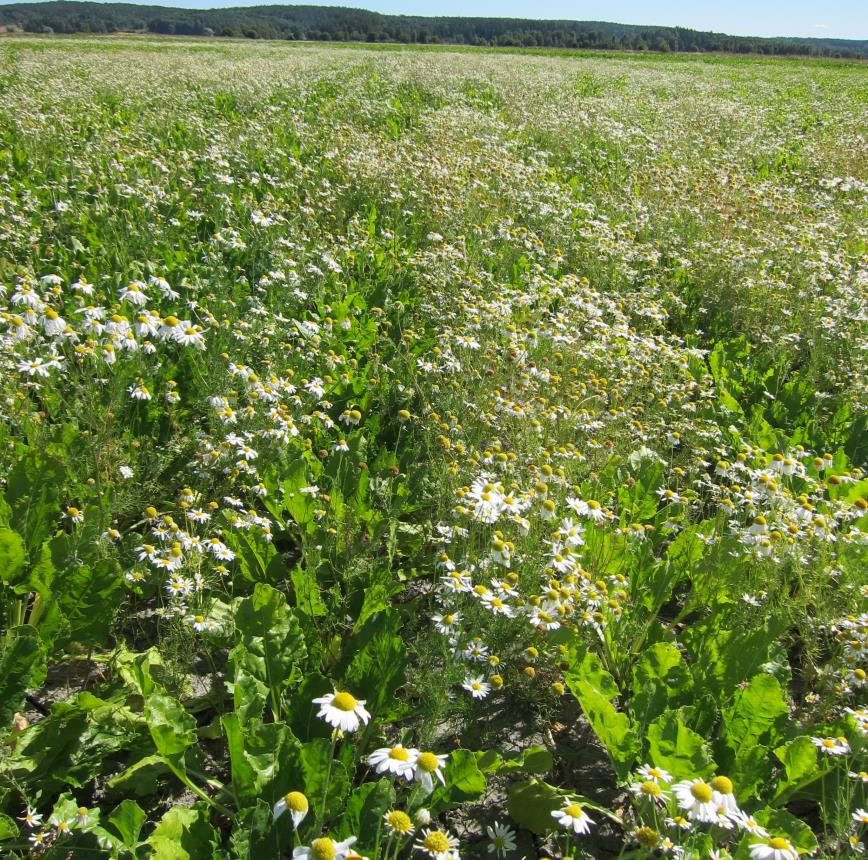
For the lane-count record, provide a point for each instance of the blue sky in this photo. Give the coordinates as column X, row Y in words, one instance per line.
column 843, row 19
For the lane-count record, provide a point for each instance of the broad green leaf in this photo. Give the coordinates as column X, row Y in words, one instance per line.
column 363, row 814
column 8, row 828
column 595, row 690
column 465, row 782
column 531, row 804
column 379, row 588
column 271, row 644
column 308, row 598
column 678, row 749
column 86, row 597
column 141, row 778
column 779, row 822
column 13, row 556
column 263, row 758
column 306, row 768
column 799, row 758
column 661, row 680
column 755, row 721
column 172, row 728
column 77, row 741
column 533, row 759
column 257, row 835
column 184, row 833
column 725, row 654
column 249, row 690
column 22, row 667
column 127, row 819
column 377, row 661
column 33, row 489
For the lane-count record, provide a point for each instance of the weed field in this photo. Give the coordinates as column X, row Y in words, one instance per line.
column 431, row 453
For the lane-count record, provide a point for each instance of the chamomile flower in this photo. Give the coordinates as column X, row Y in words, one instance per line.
column 723, row 794
column 438, row 844
column 696, row 798
column 748, row 823
column 398, row 760
column 502, row 838
column 324, row 848
column 476, row 686
column 775, row 848
column 832, row 746
column 342, row 710
column 657, row 774
column 429, row 766
column 295, row 803
column 573, row 817
column 31, row 818
column 398, row 822
column 650, row 790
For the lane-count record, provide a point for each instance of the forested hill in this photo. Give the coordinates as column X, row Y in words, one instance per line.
column 342, row 24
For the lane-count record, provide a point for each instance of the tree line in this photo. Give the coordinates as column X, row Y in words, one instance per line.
column 338, row 24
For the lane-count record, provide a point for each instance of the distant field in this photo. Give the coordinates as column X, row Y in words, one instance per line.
column 431, row 452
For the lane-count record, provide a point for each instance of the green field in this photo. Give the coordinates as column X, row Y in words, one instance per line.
column 459, row 452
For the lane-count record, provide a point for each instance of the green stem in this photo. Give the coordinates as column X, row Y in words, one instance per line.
column 196, row 790
column 321, row 814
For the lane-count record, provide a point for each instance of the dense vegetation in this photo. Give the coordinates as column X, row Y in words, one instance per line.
column 336, row 24
column 430, row 453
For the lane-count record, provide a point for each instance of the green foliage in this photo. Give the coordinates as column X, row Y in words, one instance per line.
column 514, row 406
column 595, row 691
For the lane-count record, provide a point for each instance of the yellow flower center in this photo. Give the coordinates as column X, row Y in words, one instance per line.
column 429, row 763
column 829, row 743
column 723, row 784
column 322, row 849
column 778, row 843
column 651, row 788
column 199, row 619
column 573, row 810
column 436, row 841
column 344, row 702
column 399, row 754
column 82, row 811
column 701, row 791
column 296, row 801
column 647, row 837
column 399, row 821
